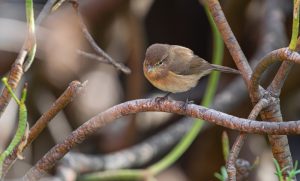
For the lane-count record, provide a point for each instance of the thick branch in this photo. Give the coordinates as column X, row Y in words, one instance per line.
column 143, row 105
column 14, row 77
column 280, row 147
column 230, row 40
column 271, row 37
column 279, row 143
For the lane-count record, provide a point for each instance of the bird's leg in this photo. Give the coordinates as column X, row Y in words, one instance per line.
column 187, row 101
column 165, row 97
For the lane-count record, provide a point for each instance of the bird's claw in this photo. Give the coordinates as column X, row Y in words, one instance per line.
column 160, row 99
column 186, row 103
column 164, row 98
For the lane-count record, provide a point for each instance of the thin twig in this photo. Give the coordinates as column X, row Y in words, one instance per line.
column 68, row 95
column 92, row 56
column 143, row 105
column 275, row 87
column 239, row 142
column 92, row 42
column 45, row 11
column 73, row 90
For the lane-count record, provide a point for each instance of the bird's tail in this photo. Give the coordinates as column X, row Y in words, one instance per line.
column 225, row 69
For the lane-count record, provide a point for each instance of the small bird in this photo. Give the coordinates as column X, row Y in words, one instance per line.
column 174, row 68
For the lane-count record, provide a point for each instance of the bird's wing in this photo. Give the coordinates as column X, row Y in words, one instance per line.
column 199, row 65
column 179, row 58
column 196, row 65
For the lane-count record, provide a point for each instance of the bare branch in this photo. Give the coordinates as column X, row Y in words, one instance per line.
column 69, row 94
column 282, row 54
column 92, row 56
column 284, row 70
column 272, row 36
column 230, row 40
column 73, row 90
column 239, row 142
column 14, row 78
column 280, row 147
column 143, row 105
column 94, row 45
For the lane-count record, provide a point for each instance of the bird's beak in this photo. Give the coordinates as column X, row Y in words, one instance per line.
column 150, row 68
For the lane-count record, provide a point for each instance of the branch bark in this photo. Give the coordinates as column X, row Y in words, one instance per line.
column 239, row 142
column 143, row 105
column 279, row 144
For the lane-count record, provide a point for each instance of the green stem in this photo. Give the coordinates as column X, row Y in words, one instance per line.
column 225, row 145
column 5, row 82
column 114, row 175
column 295, row 28
column 31, row 39
column 57, row 5
column 30, row 15
column 179, row 149
column 21, row 124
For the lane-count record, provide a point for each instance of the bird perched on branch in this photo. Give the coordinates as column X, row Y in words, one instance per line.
column 174, row 68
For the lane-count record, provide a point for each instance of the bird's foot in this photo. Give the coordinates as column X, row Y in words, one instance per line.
column 160, row 99
column 187, row 102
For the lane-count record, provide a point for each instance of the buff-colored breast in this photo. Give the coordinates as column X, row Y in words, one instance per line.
column 174, row 83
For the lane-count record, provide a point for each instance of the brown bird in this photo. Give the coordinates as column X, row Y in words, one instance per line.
column 174, row 68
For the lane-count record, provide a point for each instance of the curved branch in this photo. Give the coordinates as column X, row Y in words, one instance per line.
column 279, row 79
column 282, row 54
column 144, row 105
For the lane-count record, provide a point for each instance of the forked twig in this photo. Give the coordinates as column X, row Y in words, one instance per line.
column 94, row 45
column 239, row 142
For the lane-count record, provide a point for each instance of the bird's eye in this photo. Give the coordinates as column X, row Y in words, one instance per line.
column 159, row 63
